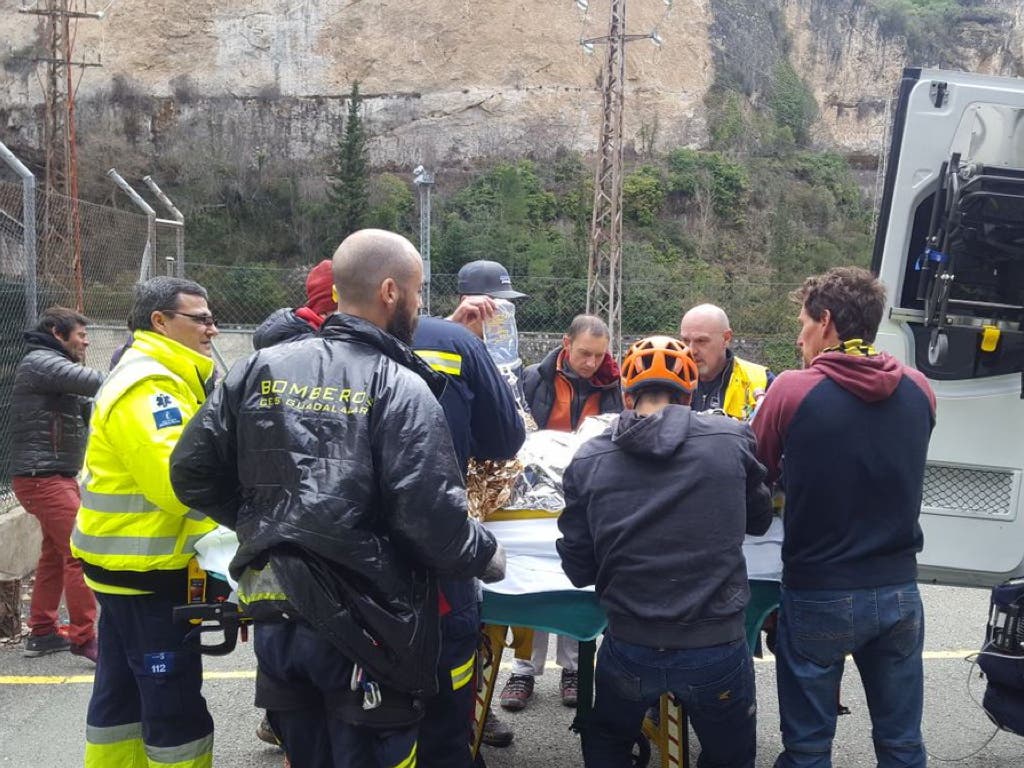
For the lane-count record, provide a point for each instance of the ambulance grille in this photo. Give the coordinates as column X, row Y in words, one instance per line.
column 987, row 493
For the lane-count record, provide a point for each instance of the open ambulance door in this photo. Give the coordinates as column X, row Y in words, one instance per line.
column 950, row 249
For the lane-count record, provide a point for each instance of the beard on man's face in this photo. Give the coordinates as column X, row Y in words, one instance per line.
column 402, row 324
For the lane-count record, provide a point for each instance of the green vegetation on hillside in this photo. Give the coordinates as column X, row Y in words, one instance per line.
column 932, row 28
column 739, row 223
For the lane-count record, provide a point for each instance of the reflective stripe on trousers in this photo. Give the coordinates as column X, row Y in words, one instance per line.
column 121, row 745
column 463, row 673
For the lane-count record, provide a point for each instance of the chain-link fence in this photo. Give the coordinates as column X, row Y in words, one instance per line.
column 85, row 255
column 114, row 250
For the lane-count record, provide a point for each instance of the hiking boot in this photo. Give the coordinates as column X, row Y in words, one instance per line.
column 570, row 688
column 40, row 645
column 517, row 692
column 496, row 733
column 265, row 732
column 90, row 650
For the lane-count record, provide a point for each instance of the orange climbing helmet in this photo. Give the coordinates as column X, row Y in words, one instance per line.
column 659, row 360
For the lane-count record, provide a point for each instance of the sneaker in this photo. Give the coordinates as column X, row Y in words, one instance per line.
column 496, row 733
column 517, row 692
column 570, row 688
column 90, row 650
column 265, row 732
column 40, row 645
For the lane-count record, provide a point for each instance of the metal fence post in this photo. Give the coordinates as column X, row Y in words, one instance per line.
column 28, row 231
column 178, row 223
column 147, row 255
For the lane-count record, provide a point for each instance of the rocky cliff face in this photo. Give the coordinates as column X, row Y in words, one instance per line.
column 231, row 82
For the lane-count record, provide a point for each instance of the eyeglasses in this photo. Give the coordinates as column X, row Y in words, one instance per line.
column 207, row 320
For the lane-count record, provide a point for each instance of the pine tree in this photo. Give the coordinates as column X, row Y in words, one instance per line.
column 349, row 187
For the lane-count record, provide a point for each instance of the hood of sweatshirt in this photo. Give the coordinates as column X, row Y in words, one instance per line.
column 657, row 436
column 871, row 378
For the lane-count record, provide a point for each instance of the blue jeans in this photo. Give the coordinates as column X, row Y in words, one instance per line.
column 715, row 685
column 883, row 629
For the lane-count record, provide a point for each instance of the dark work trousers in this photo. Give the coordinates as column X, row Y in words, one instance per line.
column 147, row 701
column 299, row 673
column 447, row 726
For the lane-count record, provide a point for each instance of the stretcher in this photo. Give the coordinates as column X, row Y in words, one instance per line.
column 522, row 601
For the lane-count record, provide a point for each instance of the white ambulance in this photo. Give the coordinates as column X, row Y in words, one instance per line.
column 950, row 249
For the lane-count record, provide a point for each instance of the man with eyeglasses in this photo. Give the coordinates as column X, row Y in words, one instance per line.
column 135, row 538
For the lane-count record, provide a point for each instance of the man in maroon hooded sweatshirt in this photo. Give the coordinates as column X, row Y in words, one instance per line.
column 852, row 428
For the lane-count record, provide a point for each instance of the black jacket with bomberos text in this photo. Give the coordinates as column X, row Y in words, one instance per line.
column 331, row 458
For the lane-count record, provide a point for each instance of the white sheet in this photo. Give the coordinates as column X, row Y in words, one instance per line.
column 533, row 564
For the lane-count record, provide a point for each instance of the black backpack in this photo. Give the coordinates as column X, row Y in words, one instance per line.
column 1002, row 658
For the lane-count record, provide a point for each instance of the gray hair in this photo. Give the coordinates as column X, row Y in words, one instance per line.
column 159, row 294
column 589, row 324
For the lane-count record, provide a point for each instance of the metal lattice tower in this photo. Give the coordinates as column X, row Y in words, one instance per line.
column 604, row 272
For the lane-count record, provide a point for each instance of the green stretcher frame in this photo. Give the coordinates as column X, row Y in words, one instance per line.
column 579, row 615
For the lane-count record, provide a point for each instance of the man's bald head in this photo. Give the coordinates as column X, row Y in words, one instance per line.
column 378, row 275
column 705, row 331
column 709, row 316
column 366, row 258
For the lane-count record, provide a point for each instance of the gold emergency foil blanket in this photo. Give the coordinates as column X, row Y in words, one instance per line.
column 489, row 483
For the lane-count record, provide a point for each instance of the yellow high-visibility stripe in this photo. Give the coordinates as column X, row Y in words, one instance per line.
column 442, row 362
column 278, row 596
column 110, row 589
column 410, row 761
column 463, row 673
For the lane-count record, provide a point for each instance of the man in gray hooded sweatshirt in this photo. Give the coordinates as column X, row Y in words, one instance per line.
column 655, row 513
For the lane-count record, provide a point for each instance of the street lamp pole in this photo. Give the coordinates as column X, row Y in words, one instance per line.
column 424, row 180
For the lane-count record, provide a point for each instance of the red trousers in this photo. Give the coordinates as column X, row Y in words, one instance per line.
column 54, row 502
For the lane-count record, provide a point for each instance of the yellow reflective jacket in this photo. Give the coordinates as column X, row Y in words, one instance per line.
column 131, row 530
column 746, row 382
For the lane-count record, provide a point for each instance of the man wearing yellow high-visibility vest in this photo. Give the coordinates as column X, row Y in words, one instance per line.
column 136, row 539
column 727, row 382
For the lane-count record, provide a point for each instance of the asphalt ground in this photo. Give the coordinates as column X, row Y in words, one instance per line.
column 43, row 703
